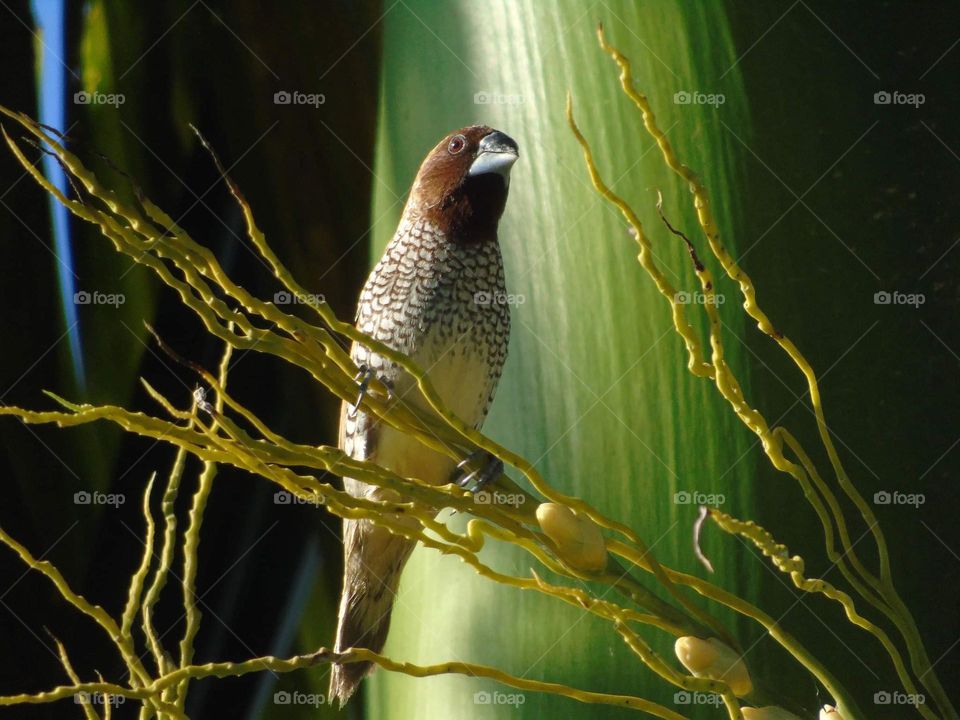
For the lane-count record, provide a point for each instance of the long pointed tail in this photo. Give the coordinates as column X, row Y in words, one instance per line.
column 373, row 560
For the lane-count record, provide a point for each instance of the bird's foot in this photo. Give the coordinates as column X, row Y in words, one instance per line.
column 488, row 467
column 364, row 377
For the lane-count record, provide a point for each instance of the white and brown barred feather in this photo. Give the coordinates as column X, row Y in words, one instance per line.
column 443, row 304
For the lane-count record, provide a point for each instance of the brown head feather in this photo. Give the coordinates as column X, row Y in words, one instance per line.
column 465, row 208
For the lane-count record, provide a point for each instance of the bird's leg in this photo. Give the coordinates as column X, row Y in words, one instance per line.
column 365, row 375
column 489, row 465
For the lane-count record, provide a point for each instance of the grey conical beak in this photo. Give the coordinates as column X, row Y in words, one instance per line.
column 496, row 153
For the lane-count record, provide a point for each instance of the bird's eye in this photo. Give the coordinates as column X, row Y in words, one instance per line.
column 457, row 144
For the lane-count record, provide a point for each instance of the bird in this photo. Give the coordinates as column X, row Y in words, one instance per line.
column 438, row 294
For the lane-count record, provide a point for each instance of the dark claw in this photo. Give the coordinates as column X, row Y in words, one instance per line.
column 364, row 371
column 365, row 376
column 491, row 468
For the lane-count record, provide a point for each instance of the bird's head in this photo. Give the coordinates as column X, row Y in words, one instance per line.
column 462, row 184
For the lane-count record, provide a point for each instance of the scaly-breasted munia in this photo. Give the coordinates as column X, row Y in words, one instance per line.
column 438, row 295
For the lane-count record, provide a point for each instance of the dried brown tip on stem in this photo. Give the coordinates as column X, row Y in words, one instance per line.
column 50, row 634
column 137, row 190
column 175, row 356
column 54, row 131
column 690, row 247
column 63, row 167
column 231, row 185
column 66, row 139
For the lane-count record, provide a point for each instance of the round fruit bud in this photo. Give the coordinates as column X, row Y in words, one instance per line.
column 578, row 539
column 714, row 660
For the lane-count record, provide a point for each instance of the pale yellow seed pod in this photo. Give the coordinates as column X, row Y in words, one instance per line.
column 578, row 539
column 714, row 660
column 770, row 712
column 829, row 712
